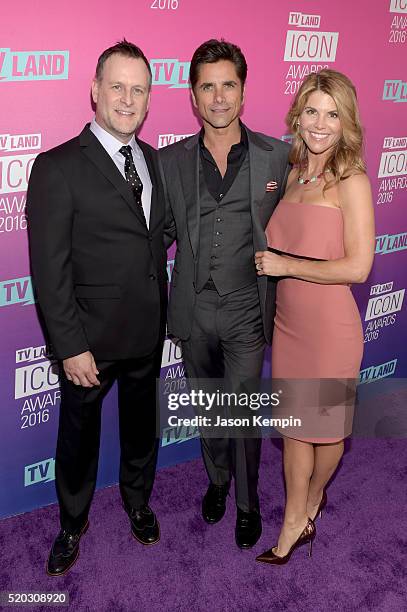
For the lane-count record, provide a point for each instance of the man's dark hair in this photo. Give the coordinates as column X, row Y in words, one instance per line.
column 213, row 51
column 123, row 47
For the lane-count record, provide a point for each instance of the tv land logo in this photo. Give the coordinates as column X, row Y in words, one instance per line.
column 170, row 72
column 15, row 169
column 398, row 6
column 395, row 90
column 33, row 65
column 177, row 435
column 392, row 167
column 382, row 308
column 31, row 353
column 166, row 139
column 392, row 142
column 37, row 375
column 398, row 27
column 300, row 20
column 376, row 372
column 17, row 291
column 391, row 243
column 309, row 45
column 43, row 471
column 308, row 48
column 36, row 383
column 19, row 142
column 380, row 305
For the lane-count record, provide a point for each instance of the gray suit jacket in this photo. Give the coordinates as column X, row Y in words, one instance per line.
column 179, row 163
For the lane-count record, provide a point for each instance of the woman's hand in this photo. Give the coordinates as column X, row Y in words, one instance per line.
column 270, row 264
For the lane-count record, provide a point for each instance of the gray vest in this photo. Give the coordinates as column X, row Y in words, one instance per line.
column 226, row 252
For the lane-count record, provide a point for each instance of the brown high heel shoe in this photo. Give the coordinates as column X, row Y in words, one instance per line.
column 321, row 506
column 307, row 535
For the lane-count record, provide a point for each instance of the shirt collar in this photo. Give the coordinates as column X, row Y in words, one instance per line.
column 244, row 141
column 111, row 144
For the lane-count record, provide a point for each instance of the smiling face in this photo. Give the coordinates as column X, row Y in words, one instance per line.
column 319, row 123
column 122, row 96
column 218, row 94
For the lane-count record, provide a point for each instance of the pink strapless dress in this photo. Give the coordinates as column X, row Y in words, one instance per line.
column 318, row 336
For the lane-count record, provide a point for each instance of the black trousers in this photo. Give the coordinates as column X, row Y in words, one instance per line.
column 77, row 453
column 227, row 342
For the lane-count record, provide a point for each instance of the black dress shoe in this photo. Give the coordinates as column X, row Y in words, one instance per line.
column 144, row 525
column 214, row 503
column 64, row 551
column 248, row 528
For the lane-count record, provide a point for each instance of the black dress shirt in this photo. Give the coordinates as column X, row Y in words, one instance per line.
column 218, row 186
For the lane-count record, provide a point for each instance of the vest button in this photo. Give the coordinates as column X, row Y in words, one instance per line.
column 151, row 276
column 216, row 245
column 218, row 220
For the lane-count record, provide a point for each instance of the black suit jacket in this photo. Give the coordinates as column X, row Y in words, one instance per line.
column 98, row 272
column 179, row 163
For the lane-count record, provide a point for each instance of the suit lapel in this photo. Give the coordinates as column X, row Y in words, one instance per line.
column 92, row 148
column 189, row 173
column 153, row 172
column 261, row 171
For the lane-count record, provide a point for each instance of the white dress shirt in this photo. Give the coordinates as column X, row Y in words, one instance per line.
column 112, row 146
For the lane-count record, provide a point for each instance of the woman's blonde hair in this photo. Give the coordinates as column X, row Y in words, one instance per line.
column 346, row 157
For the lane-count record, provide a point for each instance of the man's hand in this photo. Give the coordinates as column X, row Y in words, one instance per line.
column 81, row 370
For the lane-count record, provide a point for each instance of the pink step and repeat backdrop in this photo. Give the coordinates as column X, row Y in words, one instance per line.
column 47, row 59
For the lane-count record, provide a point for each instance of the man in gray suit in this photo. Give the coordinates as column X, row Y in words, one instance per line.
column 222, row 186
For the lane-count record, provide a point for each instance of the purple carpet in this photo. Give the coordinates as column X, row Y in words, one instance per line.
column 359, row 558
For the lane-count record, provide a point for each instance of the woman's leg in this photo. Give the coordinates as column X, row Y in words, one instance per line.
column 298, row 467
column 326, row 459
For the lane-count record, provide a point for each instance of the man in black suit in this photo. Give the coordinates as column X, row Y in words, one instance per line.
column 222, row 186
column 96, row 211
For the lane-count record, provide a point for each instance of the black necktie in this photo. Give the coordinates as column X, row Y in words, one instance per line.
column 132, row 176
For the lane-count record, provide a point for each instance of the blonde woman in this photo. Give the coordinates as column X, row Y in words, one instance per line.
column 321, row 240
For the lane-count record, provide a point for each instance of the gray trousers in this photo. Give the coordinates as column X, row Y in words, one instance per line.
column 227, row 342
